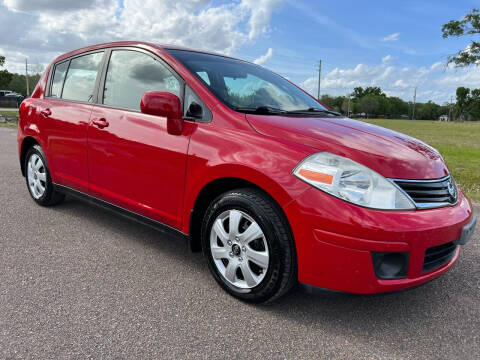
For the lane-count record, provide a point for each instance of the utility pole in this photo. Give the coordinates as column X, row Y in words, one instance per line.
column 319, row 77
column 26, row 77
column 414, row 102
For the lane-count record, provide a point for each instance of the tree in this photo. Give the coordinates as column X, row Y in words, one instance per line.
column 360, row 92
column 469, row 25
column 369, row 105
column 383, row 104
column 374, row 91
column 428, row 111
column 475, row 104
column 398, row 107
column 5, row 76
column 346, row 106
column 463, row 100
column 18, row 84
column 333, row 102
column 328, row 100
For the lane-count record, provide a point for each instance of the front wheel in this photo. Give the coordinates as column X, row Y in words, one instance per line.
column 249, row 246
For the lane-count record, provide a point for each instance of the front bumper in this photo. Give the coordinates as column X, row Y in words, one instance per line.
column 335, row 240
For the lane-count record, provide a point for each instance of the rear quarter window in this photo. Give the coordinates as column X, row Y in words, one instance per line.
column 57, row 80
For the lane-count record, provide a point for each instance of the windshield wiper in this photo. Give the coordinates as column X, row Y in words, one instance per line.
column 314, row 110
column 262, row 110
column 269, row 110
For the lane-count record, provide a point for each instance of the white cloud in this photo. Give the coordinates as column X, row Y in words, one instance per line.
column 46, row 28
column 47, row 5
column 387, row 58
column 391, row 37
column 262, row 59
column 261, row 12
column 434, row 82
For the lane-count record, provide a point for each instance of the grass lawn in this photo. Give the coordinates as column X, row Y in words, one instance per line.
column 459, row 144
column 13, row 112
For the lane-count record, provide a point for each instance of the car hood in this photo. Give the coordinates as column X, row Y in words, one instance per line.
column 387, row 152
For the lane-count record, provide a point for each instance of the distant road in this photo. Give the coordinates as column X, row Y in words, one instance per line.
column 79, row 282
column 8, row 109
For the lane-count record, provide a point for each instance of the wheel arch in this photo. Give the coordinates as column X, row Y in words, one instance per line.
column 208, row 193
column 27, row 143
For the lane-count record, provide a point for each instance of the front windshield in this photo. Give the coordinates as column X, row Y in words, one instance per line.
column 242, row 86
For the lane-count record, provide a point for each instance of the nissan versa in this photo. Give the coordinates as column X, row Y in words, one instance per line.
column 274, row 187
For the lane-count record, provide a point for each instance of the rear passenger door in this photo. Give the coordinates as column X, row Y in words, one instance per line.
column 65, row 114
column 133, row 161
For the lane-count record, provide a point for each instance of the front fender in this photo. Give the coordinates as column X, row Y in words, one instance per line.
column 216, row 153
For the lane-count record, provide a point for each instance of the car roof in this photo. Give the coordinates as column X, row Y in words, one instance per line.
column 141, row 44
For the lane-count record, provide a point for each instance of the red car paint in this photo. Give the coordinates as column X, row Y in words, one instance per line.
column 113, row 154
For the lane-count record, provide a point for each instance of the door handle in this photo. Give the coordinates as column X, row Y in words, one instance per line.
column 100, row 123
column 46, row 112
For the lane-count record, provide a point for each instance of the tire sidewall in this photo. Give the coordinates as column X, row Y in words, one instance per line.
column 37, row 150
column 270, row 282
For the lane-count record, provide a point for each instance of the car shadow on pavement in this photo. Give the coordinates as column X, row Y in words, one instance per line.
column 385, row 316
column 128, row 229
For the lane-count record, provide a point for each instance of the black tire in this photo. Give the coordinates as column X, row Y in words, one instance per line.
column 50, row 196
column 281, row 274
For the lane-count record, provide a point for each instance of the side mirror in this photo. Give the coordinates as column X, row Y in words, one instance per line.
column 164, row 104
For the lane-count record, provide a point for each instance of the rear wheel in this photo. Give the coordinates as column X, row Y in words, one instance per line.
column 38, row 178
column 248, row 245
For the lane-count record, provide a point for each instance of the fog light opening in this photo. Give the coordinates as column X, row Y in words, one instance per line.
column 390, row 265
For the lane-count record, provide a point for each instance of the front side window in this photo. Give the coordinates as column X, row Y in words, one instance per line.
column 81, row 76
column 130, row 74
column 241, row 85
column 58, row 77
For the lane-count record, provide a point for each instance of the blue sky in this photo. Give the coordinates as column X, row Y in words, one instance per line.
column 396, row 45
column 344, row 34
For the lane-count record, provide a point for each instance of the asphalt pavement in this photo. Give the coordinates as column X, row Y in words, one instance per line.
column 79, row 282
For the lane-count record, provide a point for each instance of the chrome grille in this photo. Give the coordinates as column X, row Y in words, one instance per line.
column 429, row 193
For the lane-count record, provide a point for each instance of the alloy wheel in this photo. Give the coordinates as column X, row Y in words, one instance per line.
column 239, row 249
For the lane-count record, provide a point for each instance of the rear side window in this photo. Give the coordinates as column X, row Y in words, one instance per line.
column 57, row 82
column 130, row 74
column 81, row 76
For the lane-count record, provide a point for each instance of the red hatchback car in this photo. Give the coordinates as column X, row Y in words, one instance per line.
column 272, row 186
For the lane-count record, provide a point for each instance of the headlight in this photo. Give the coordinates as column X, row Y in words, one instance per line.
column 350, row 181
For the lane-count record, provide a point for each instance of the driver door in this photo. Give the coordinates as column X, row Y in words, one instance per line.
column 133, row 161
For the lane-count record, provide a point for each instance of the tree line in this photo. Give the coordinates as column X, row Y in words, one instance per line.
column 16, row 82
column 372, row 102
